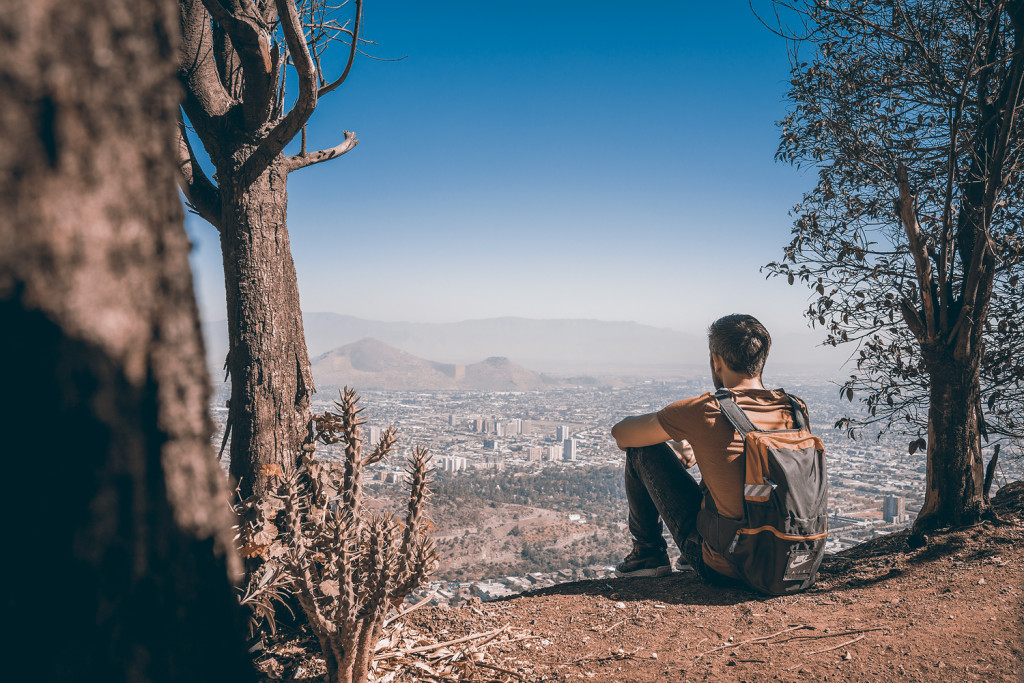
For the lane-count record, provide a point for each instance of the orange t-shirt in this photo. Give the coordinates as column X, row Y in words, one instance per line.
column 719, row 448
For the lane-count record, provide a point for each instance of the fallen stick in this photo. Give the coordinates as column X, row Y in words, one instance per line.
column 492, row 636
column 827, row 649
column 498, row 668
column 836, row 647
column 830, row 635
column 388, row 622
column 754, row 640
column 617, row 623
column 437, row 646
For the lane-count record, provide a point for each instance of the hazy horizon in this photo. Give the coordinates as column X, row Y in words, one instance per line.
column 541, row 170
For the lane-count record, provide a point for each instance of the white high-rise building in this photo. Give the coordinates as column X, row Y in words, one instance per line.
column 453, row 463
column 562, row 433
column 569, row 449
column 554, row 453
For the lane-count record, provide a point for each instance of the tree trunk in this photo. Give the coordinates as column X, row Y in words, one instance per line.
column 119, row 528
column 271, row 380
column 954, row 492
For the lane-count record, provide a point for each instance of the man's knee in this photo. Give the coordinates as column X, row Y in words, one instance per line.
column 638, row 454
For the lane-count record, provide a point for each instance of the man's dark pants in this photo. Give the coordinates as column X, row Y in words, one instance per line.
column 658, row 488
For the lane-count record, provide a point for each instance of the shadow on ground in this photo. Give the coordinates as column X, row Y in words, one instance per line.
column 678, row 588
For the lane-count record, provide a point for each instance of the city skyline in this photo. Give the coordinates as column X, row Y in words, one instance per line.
column 586, row 164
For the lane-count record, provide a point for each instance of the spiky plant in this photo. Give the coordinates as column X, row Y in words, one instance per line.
column 345, row 568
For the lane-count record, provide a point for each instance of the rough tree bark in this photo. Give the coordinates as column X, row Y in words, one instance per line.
column 954, row 490
column 119, row 514
column 271, row 379
column 234, row 62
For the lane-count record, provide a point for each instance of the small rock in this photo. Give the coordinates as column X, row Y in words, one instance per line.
column 730, row 639
column 951, row 616
column 981, row 582
column 620, row 605
column 730, row 663
column 847, row 656
column 654, row 655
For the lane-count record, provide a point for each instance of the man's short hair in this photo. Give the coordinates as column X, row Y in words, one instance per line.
column 742, row 342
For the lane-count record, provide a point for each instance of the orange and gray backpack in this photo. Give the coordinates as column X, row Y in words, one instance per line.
column 777, row 547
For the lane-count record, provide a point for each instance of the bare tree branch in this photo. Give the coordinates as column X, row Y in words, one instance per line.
column 926, row 280
column 205, row 95
column 250, row 40
column 353, row 48
column 294, row 163
column 202, row 195
column 294, row 120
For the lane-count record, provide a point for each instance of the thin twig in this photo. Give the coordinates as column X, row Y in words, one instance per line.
column 754, row 640
column 401, row 614
column 617, row 623
column 830, row 635
column 504, row 671
column 437, row 646
column 492, row 636
column 836, row 647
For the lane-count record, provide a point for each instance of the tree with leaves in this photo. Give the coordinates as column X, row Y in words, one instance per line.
column 236, row 59
column 910, row 112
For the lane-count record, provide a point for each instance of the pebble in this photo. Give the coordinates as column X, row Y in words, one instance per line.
column 620, row 605
column 654, row 655
column 981, row 582
column 730, row 639
column 847, row 656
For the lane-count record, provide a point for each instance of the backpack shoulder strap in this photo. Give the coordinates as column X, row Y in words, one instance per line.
column 734, row 414
column 800, row 417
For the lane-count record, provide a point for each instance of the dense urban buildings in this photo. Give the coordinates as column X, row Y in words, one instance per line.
column 876, row 486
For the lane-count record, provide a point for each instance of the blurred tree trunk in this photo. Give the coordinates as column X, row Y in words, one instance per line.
column 121, row 529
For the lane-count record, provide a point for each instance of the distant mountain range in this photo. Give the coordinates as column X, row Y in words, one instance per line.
column 372, row 364
column 563, row 346
column 594, row 348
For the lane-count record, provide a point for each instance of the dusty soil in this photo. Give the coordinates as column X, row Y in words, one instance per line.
column 880, row 611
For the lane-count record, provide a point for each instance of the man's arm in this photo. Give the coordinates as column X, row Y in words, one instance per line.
column 640, row 430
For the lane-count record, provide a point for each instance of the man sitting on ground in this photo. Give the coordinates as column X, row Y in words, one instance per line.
column 658, row 487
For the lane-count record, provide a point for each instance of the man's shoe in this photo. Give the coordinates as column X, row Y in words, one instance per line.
column 682, row 565
column 644, row 562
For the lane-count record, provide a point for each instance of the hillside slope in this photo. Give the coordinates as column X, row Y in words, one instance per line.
column 948, row 612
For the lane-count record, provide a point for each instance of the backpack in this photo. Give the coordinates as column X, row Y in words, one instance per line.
column 777, row 546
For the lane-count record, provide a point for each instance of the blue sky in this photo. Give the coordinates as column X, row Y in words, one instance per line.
column 548, row 160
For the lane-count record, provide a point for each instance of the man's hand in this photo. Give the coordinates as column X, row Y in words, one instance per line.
column 684, row 451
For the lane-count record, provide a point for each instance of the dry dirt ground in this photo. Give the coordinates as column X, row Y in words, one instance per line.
column 950, row 611
column 880, row 611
